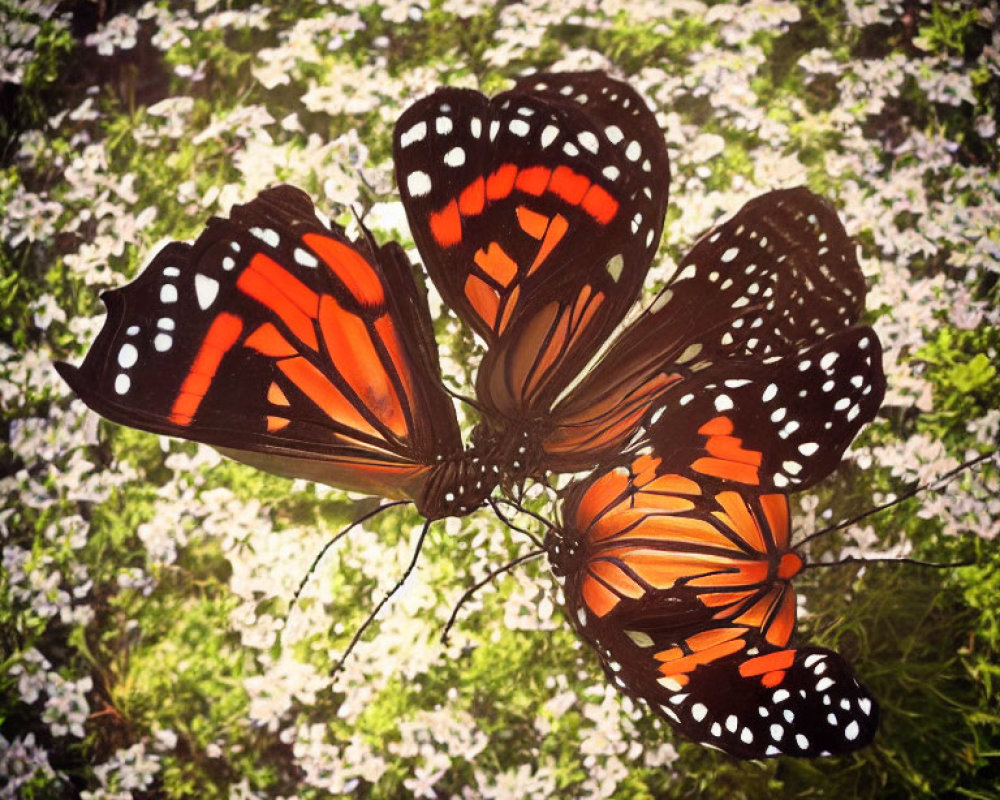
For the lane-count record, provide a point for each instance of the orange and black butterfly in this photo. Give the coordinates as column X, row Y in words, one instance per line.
column 289, row 346
column 678, row 560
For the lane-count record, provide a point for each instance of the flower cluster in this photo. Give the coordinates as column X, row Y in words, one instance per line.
column 122, row 552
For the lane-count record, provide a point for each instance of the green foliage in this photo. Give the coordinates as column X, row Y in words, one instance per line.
column 164, row 577
column 962, row 367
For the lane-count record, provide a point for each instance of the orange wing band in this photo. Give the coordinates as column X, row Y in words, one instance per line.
column 273, row 286
column 222, row 335
column 574, row 188
column 350, row 266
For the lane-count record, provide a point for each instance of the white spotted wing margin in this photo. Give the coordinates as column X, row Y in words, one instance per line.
column 818, row 709
column 283, row 343
column 556, row 187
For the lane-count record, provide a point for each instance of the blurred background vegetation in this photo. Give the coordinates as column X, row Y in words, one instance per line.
column 145, row 583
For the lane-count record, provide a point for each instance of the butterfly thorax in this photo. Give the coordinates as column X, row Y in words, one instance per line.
column 461, row 484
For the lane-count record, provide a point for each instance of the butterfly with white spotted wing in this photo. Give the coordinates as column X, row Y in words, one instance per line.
column 678, row 561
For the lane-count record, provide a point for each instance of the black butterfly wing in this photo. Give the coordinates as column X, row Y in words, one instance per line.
column 281, row 342
column 778, row 276
column 537, row 213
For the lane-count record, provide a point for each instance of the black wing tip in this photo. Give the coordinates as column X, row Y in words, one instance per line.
column 67, row 372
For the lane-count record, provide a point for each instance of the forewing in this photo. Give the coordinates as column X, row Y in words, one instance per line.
column 278, row 340
column 537, row 213
column 782, row 423
column 775, row 278
column 801, row 702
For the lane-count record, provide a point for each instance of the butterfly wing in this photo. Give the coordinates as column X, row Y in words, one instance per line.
column 777, row 276
column 678, row 562
column 537, row 213
column 683, row 586
column 782, row 423
column 283, row 343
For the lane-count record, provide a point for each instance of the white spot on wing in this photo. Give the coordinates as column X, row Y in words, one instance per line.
column 127, row 356
column 304, row 257
column 168, row 293
column 414, row 134
column 268, row 236
column 723, row 403
column 122, row 383
column 418, row 183
column 455, row 157
column 588, row 140
column 207, row 289
column 519, row 127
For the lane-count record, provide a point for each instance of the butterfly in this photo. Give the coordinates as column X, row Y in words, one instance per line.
column 678, row 561
column 288, row 346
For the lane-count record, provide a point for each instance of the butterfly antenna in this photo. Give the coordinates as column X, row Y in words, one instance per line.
column 510, row 524
column 469, row 401
column 340, row 535
column 546, row 522
column 480, row 584
column 887, row 560
column 942, row 479
column 388, row 596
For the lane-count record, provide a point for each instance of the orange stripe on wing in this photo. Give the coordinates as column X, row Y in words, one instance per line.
column 568, row 185
column 324, row 394
column 730, row 448
column 222, row 335
column 599, row 497
column 356, row 359
column 472, row 200
column 717, row 426
column 500, row 182
column 706, row 656
column 776, row 512
column 446, row 225
column 360, row 278
column 495, row 262
column 738, row 517
column 533, row 180
column 599, row 204
column 553, row 235
column 712, row 637
column 273, row 286
column 612, row 575
column 780, row 628
column 727, row 470
column 531, row 222
column 783, row 659
column 275, row 396
column 483, row 298
column 386, row 330
column 268, row 341
column 509, row 306
column 598, row 597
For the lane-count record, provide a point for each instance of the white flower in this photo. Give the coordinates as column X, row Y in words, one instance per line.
column 119, row 33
